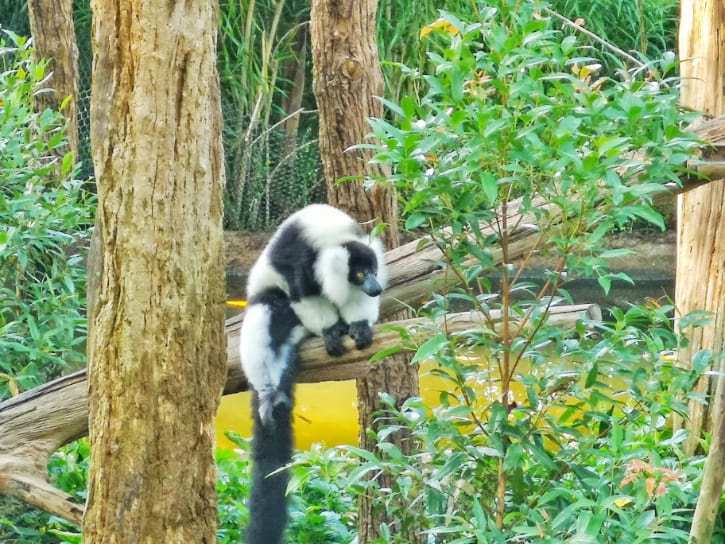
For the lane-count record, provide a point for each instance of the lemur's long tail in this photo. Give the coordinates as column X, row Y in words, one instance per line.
column 271, row 450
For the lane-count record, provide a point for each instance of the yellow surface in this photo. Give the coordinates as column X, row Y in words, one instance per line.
column 324, row 412
column 327, row 412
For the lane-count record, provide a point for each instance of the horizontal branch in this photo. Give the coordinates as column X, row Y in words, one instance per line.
column 36, row 423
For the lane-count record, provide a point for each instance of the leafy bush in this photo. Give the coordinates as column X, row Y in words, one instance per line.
column 545, row 432
column 44, row 220
column 321, row 511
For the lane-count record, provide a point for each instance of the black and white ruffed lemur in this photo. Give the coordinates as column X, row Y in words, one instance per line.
column 320, row 274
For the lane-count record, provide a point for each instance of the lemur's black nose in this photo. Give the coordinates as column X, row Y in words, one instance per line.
column 370, row 286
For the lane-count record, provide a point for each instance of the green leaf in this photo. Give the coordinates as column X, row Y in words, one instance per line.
column 67, row 164
column 414, row 221
column 489, row 185
column 387, row 352
column 605, row 282
column 479, row 515
column 592, row 376
column 430, row 348
column 650, row 215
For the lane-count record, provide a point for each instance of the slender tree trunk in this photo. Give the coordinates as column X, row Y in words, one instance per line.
column 296, row 71
column 347, row 81
column 156, row 343
column 54, row 38
column 701, row 249
column 701, row 211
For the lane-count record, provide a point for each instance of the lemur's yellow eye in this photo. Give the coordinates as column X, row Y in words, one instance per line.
column 360, row 275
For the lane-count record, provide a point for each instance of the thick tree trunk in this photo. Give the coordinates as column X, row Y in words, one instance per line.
column 51, row 24
column 347, row 84
column 701, row 248
column 156, row 343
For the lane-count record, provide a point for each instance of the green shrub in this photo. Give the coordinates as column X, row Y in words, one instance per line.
column 321, row 511
column 44, row 220
column 545, row 432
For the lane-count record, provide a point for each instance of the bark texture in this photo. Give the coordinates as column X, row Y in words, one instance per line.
column 156, row 342
column 347, row 82
column 54, row 38
column 701, row 248
column 701, row 218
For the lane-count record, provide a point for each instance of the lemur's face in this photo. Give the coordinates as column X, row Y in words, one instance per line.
column 363, row 268
column 366, row 280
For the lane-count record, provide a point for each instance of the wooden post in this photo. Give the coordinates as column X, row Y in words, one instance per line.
column 701, row 248
column 156, row 335
column 54, row 38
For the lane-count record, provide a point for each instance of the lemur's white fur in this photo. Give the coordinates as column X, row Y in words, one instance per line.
column 300, row 285
column 317, row 313
column 326, row 229
column 261, row 365
column 353, row 304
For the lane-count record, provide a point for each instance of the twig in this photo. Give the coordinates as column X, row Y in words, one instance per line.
column 596, row 38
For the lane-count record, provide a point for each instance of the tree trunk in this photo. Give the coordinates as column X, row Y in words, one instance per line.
column 701, row 211
column 54, row 38
column 156, row 342
column 701, row 249
column 296, row 71
column 347, row 81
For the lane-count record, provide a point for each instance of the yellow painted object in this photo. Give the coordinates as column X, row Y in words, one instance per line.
column 327, row 412
column 324, row 412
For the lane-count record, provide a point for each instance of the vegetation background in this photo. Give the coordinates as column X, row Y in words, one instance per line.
column 273, row 167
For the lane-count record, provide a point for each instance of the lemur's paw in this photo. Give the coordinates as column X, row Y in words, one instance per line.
column 270, row 401
column 362, row 333
column 333, row 339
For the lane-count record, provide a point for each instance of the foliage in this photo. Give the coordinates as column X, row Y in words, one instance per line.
column 320, row 509
column 647, row 28
column 398, row 27
column 270, row 145
column 273, row 168
column 44, row 221
column 544, row 433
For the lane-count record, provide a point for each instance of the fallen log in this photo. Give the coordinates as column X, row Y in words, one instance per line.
column 36, row 423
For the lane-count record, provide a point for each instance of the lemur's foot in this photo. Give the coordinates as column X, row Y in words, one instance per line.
column 362, row 333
